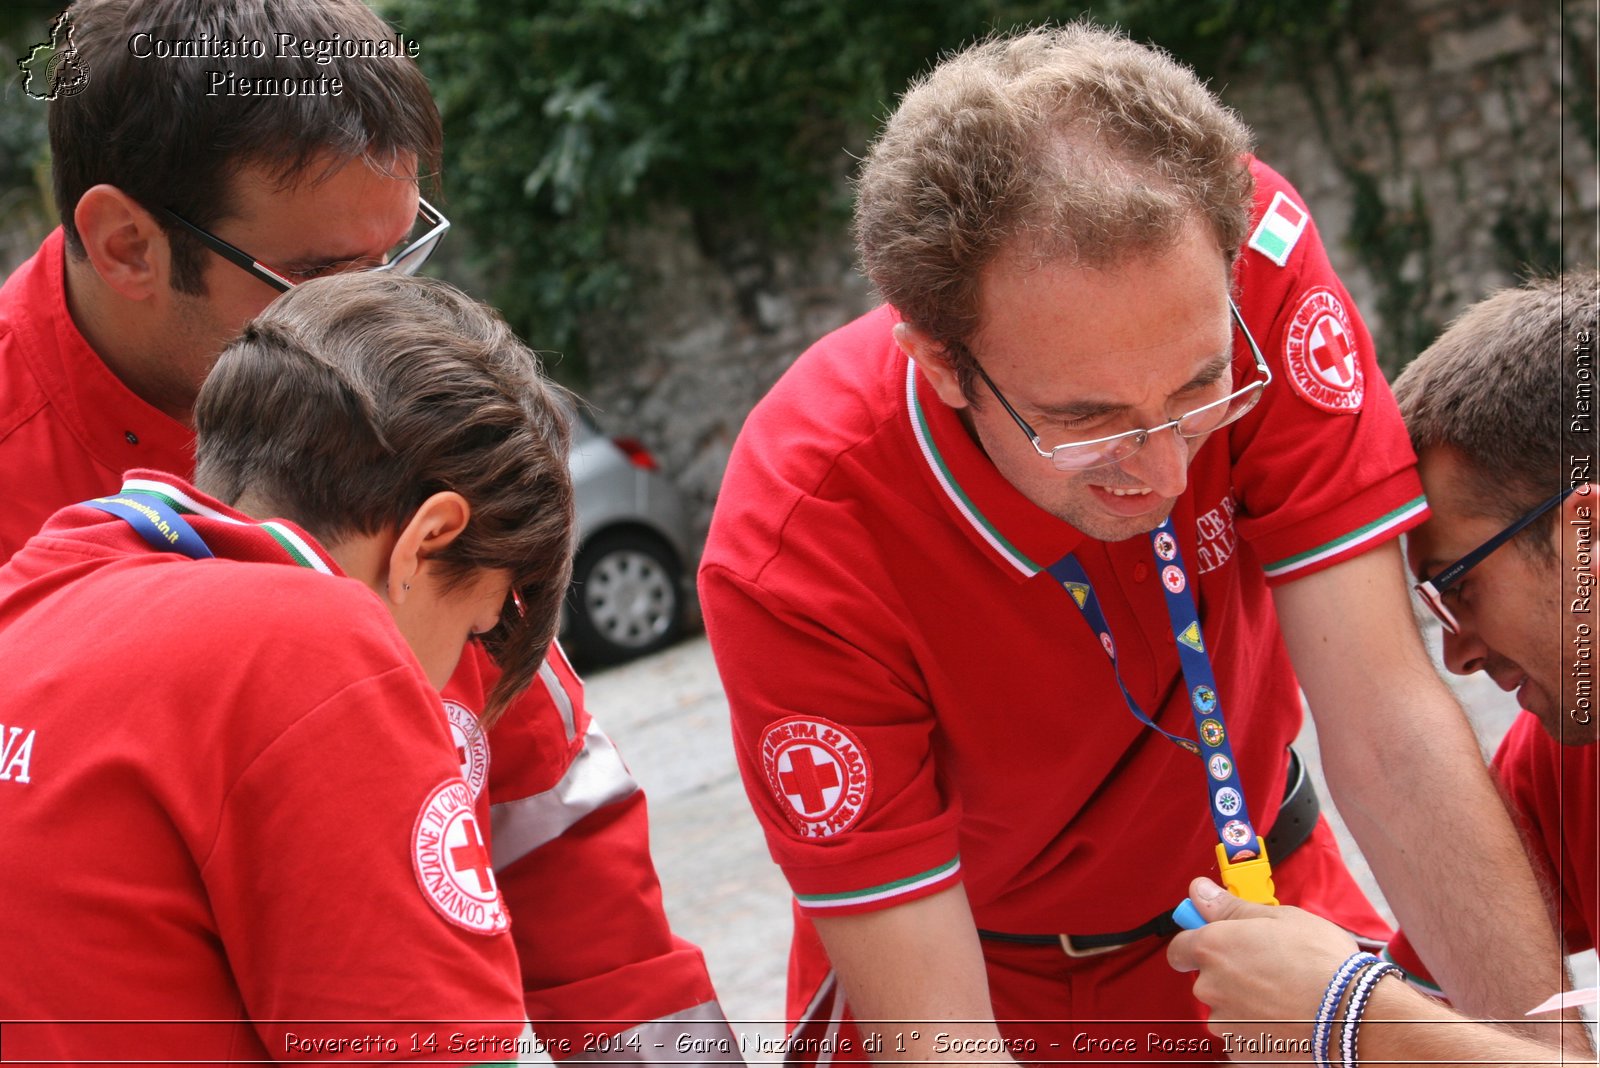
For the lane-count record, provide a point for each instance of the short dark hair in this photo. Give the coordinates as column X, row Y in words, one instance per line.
column 1068, row 142
column 148, row 127
column 353, row 398
column 1495, row 387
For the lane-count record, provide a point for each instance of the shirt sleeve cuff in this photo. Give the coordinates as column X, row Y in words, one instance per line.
column 1368, row 519
column 820, row 894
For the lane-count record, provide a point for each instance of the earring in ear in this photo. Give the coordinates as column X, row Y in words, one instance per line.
column 406, row 586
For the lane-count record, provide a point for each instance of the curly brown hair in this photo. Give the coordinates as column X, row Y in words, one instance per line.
column 1070, row 143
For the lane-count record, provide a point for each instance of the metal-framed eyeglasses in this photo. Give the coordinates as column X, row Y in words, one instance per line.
column 1206, row 419
column 1432, row 590
column 407, row 258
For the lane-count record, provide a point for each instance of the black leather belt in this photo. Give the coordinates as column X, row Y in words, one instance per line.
column 1297, row 815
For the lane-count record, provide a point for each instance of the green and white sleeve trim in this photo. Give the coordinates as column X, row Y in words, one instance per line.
column 946, row 872
column 1371, row 533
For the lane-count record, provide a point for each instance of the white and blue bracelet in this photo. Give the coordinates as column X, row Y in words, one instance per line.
column 1330, row 1005
column 1359, row 994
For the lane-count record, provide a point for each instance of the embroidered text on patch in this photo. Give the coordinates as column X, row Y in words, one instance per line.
column 472, row 745
column 1320, row 353
column 819, row 773
column 1215, row 536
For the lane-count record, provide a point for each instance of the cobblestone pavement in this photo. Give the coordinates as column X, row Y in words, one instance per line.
column 668, row 715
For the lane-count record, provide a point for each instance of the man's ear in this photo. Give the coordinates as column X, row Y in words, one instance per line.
column 437, row 522
column 929, row 356
column 124, row 243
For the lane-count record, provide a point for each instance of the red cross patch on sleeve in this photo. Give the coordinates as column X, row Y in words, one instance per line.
column 450, row 852
column 819, row 773
column 1319, row 351
column 472, row 745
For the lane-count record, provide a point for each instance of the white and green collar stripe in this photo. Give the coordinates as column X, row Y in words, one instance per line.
column 1018, row 559
column 1368, row 533
column 941, row 471
column 884, row 891
column 290, row 541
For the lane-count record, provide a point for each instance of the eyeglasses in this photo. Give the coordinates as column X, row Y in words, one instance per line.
column 407, row 260
column 1432, row 590
column 1098, row 452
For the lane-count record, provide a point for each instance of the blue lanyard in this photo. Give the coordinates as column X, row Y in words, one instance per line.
column 156, row 522
column 1228, row 812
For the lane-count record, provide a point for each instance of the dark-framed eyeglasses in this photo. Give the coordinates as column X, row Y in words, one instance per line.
column 1206, row 419
column 1432, row 590
column 407, row 258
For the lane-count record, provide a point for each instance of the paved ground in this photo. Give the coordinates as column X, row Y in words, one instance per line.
column 668, row 715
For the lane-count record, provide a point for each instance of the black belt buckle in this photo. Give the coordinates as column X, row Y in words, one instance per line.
column 1070, row 947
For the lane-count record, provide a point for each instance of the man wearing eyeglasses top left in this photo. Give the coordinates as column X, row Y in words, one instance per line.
column 184, row 213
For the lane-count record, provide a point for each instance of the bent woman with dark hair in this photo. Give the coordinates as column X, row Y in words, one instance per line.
column 232, row 791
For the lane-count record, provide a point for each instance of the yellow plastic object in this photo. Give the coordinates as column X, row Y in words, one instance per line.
column 1249, row 879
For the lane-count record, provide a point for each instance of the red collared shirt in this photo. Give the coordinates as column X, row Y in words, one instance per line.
column 915, row 703
column 69, row 428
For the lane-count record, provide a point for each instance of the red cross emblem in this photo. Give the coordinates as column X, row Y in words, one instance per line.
column 473, row 857
column 807, row 780
column 1320, row 354
column 819, row 773
column 454, row 868
column 1332, row 354
column 1172, row 575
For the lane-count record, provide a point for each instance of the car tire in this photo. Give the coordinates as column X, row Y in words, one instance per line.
column 626, row 598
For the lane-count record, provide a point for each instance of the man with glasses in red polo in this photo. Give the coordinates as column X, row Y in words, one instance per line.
column 1014, row 581
column 183, row 215
column 1505, row 441
column 1503, row 425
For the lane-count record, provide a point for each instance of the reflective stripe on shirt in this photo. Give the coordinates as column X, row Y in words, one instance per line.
column 559, row 698
column 595, row 779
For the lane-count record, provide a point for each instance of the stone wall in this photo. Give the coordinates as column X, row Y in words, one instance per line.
column 1444, row 154
column 1442, row 149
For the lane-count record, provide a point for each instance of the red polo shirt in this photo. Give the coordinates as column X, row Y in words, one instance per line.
column 1554, row 794
column 69, row 428
column 230, row 795
column 915, row 702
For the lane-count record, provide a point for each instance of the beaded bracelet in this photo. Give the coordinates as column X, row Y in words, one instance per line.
column 1330, row 1004
column 1353, row 1012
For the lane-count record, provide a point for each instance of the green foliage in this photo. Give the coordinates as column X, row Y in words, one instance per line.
column 1581, row 89
column 570, row 122
column 1220, row 38
column 24, row 144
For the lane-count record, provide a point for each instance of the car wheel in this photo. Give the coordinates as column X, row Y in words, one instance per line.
column 626, row 598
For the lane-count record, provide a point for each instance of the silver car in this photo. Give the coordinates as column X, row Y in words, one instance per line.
column 628, row 581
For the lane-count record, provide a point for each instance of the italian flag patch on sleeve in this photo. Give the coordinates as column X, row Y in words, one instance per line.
column 1279, row 229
